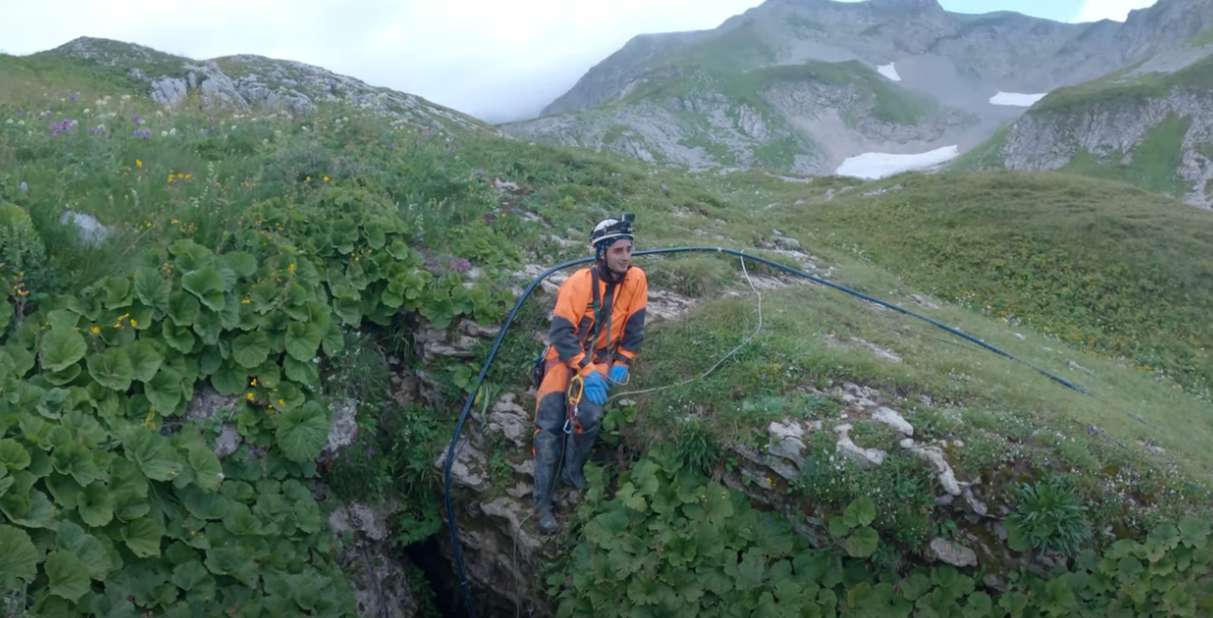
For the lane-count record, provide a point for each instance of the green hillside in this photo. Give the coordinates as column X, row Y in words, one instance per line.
column 281, row 261
column 1115, row 88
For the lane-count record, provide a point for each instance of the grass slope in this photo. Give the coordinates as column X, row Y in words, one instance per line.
column 342, row 230
column 27, row 79
column 1154, row 164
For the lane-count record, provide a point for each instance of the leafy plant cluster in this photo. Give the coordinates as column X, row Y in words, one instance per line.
column 1048, row 518
column 115, row 504
column 671, row 542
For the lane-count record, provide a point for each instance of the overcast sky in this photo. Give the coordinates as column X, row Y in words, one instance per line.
column 498, row 61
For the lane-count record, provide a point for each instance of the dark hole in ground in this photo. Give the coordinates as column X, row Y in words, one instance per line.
column 442, row 580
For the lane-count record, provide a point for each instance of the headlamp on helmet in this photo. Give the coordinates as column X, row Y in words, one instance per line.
column 611, row 229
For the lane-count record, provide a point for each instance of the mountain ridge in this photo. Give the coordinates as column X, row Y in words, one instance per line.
column 988, row 69
column 247, row 82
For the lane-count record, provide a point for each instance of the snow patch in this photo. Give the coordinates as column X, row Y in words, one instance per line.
column 889, row 71
column 1016, row 98
column 873, row 165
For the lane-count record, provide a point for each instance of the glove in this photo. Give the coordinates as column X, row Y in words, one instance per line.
column 596, row 388
column 619, row 373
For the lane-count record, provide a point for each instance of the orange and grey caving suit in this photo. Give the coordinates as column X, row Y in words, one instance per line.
column 619, row 333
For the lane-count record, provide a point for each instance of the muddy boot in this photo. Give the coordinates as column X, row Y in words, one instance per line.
column 545, row 522
column 548, row 440
column 579, row 445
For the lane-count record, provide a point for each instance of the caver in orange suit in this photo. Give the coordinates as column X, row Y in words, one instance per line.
column 617, row 327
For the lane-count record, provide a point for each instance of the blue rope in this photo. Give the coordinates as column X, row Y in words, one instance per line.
column 450, row 459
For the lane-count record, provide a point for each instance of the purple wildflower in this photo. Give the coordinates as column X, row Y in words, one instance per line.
column 72, row 96
column 63, row 126
column 142, row 133
column 210, row 119
column 136, row 119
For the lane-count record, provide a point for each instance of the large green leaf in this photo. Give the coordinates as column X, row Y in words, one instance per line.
column 303, row 431
column 143, row 536
column 300, row 371
column 18, row 556
column 183, row 307
column 145, row 359
column 61, row 347
column 861, row 512
column 88, row 548
column 190, row 575
column 165, row 390
column 152, row 288
column 180, row 338
column 118, row 292
column 68, row 575
column 111, row 368
column 862, row 542
column 153, row 453
column 302, row 340
column 208, row 285
column 229, row 379
column 242, row 263
column 12, row 455
column 250, row 349
column 95, row 505
column 75, row 459
column 206, row 468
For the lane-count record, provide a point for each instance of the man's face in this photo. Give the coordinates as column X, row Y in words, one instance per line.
column 619, row 255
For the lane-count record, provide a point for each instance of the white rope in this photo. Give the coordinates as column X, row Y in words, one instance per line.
column 722, row 359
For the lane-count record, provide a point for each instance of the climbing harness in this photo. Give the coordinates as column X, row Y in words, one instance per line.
column 450, row 459
column 573, row 403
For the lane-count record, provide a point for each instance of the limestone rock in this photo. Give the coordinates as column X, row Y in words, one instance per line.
column 470, row 468
column 207, row 402
column 92, row 231
column 510, row 420
column 378, row 580
column 228, row 441
column 935, row 456
column 865, row 457
column 951, row 553
column 893, row 419
column 343, row 430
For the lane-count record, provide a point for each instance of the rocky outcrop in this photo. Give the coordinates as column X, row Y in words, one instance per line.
column 1178, row 123
column 980, row 537
column 376, row 573
column 256, row 83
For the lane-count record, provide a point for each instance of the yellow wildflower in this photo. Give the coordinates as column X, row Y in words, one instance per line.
column 326, row 179
column 138, row 163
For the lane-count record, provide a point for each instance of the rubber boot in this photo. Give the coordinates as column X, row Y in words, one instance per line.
column 549, row 419
column 578, row 446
